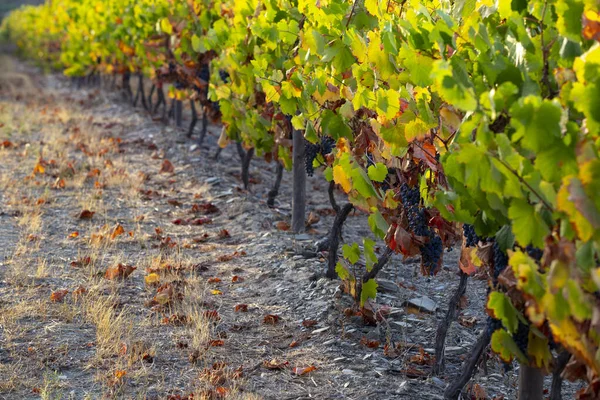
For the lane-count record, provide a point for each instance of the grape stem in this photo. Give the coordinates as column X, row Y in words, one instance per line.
column 334, row 239
column 381, row 262
column 444, row 325
column 455, row 388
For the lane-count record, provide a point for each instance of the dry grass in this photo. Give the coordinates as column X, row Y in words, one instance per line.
column 112, row 327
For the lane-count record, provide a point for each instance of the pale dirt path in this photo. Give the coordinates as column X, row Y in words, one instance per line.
column 112, row 341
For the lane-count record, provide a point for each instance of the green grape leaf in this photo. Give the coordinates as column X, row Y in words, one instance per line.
column 504, row 345
column 378, row 224
column 370, row 257
column 505, row 238
column 527, row 223
column 539, row 350
column 369, row 291
column 502, row 308
column 342, row 272
column 377, row 172
column 580, row 306
column 351, row 253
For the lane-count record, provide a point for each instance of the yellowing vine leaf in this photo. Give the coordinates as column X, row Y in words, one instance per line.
column 341, row 178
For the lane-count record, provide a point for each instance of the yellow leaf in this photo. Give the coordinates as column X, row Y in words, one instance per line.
column 152, row 278
column 216, row 292
column 340, row 177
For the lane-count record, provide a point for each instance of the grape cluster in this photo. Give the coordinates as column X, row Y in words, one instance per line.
column 171, row 68
column 431, row 253
column 310, row 153
column 204, row 73
column 534, row 253
column 179, row 85
column 493, row 325
column 327, row 144
column 417, row 222
column 224, row 75
column 521, row 337
column 470, row 236
column 500, row 260
column 312, row 150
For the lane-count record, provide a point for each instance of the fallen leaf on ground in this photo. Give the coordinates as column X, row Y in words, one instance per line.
column 152, row 279
column 271, row 319
column 58, row 296
column 119, row 230
column 283, row 226
column 307, row 323
column 216, row 292
column 303, row 371
column 80, row 291
column 214, row 279
column 86, row 214
column 372, row 344
column 241, row 308
column 224, row 234
column 275, row 364
column 119, row 271
column 59, row 184
column 236, row 278
column 216, row 343
column 167, row 167
column 212, row 314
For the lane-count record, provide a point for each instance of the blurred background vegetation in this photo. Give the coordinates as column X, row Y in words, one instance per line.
column 7, row 6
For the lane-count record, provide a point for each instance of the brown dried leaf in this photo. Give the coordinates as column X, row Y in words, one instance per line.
column 271, row 319
column 241, row 308
column 167, row 167
column 275, row 364
column 307, row 323
column 86, row 214
column 58, row 296
column 303, row 371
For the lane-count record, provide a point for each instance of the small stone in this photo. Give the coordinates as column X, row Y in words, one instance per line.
column 213, row 180
column 320, row 330
column 423, row 303
column 402, row 324
column 438, row 382
column 328, row 342
column 347, row 372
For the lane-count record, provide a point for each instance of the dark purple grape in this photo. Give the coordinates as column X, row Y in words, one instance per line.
column 224, row 75
column 493, row 325
column 431, row 253
column 417, row 222
column 521, row 338
column 534, row 253
column 310, row 153
column 327, row 145
column 500, row 260
column 471, row 237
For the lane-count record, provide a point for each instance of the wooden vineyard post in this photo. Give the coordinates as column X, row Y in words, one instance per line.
column 531, row 383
